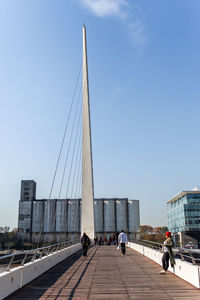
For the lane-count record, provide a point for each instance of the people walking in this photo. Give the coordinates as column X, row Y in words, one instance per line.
column 167, row 253
column 85, row 242
column 116, row 238
column 100, row 240
column 113, row 239
column 122, row 240
column 95, row 240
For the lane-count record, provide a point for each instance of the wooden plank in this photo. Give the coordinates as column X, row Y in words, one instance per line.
column 105, row 274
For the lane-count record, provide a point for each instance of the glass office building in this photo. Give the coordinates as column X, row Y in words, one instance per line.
column 183, row 214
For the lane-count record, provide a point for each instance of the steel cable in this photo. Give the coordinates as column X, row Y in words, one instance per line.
column 62, row 143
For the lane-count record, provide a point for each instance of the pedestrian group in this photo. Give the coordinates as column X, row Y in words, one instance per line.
column 120, row 239
column 116, row 239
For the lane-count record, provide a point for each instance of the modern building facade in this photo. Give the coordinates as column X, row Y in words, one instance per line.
column 183, row 214
column 57, row 220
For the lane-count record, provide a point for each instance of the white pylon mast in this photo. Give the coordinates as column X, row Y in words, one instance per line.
column 87, row 212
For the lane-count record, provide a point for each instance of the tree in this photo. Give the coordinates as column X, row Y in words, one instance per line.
column 8, row 240
column 145, row 228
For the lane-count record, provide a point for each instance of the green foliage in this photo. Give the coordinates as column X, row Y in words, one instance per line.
column 8, row 240
column 144, row 228
column 148, row 229
column 28, row 246
column 158, row 238
column 156, row 234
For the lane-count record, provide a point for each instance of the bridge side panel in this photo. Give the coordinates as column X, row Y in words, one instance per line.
column 17, row 277
column 182, row 269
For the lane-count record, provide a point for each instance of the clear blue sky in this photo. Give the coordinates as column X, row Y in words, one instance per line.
column 144, row 71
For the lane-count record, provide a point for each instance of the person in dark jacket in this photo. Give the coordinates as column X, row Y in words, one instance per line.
column 85, row 242
column 100, row 240
column 95, row 239
column 116, row 238
column 167, row 253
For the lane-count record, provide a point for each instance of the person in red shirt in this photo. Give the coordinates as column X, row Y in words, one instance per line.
column 167, row 253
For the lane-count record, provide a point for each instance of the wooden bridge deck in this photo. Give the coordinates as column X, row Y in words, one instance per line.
column 105, row 274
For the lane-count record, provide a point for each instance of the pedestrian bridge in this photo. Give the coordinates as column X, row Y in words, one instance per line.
column 105, row 274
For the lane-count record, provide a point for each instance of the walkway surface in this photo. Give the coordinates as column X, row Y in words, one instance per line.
column 105, row 274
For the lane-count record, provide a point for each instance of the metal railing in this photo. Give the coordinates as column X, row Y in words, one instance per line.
column 150, row 244
column 189, row 255
column 23, row 257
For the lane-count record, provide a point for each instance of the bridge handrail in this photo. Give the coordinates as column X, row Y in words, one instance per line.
column 29, row 251
column 180, row 252
column 150, row 244
column 34, row 254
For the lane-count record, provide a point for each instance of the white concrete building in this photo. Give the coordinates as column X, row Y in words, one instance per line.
column 57, row 220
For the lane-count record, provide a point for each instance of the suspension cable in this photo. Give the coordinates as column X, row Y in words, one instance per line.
column 69, row 145
column 65, row 131
column 72, row 131
column 69, row 179
column 62, row 143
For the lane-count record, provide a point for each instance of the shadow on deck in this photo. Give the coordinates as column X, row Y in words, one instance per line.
column 105, row 274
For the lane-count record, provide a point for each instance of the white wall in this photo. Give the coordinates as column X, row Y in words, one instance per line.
column 133, row 216
column 121, row 210
column 50, row 215
column 38, row 212
column 61, row 216
column 109, row 215
column 73, row 216
column 98, row 215
column 12, row 280
column 183, row 269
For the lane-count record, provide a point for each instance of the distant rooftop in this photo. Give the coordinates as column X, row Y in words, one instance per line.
column 195, row 190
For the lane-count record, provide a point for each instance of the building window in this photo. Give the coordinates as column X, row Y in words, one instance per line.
column 188, row 222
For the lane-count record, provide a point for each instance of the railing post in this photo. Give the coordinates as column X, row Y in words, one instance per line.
column 34, row 255
column 41, row 253
column 10, row 263
column 182, row 257
column 24, row 259
column 47, row 253
column 192, row 258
